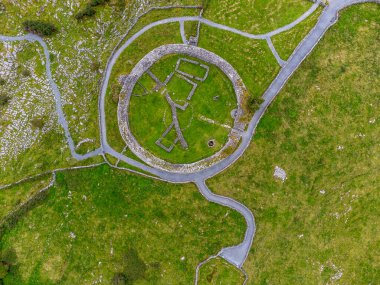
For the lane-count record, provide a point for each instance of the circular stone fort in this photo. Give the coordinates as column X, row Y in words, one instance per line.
column 181, row 108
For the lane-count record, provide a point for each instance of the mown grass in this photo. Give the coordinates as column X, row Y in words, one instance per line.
column 257, row 17
column 150, row 115
column 286, row 42
column 219, row 271
column 98, row 222
column 321, row 225
column 252, row 59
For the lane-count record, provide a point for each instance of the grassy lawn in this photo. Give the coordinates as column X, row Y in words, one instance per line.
column 150, row 115
column 286, row 42
column 321, row 225
column 98, row 222
column 252, row 59
column 257, row 17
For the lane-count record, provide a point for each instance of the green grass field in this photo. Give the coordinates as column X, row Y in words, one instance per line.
column 321, row 225
column 252, row 59
column 150, row 115
column 257, row 17
column 286, row 42
column 219, row 271
column 99, row 222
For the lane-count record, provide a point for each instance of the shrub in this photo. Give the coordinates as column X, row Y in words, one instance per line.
column 134, row 266
column 120, row 5
column 254, row 103
column 86, row 12
column 94, row 3
column 2, row 8
column 115, row 90
column 2, row 81
column 4, row 99
column 4, row 269
column 119, row 279
column 37, row 123
column 95, row 65
column 8, row 258
column 26, row 72
column 40, row 28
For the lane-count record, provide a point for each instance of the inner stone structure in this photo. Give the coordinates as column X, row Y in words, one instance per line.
column 144, row 67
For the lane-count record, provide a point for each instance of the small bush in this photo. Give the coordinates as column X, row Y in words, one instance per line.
column 119, row 279
column 7, row 260
column 37, row 123
column 2, row 81
column 86, row 12
column 95, row 66
column 134, row 266
column 25, row 72
column 2, row 8
column 115, row 90
column 254, row 103
column 120, row 5
column 94, row 3
column 4, row 99
column 40, row 28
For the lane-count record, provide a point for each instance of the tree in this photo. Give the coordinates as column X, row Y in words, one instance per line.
column 254, row 103
column 40, row 28
column 86, row 12
column 119, row 279
column 94, row 3
column 8, row 259
column 37, row 123
column 26, row 72
column 4, row 99
column 134, row 266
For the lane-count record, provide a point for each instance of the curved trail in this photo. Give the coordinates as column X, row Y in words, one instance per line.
column 236, row 254
column 57, row 95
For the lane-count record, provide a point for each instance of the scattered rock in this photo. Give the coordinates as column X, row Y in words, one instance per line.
column 279, row 173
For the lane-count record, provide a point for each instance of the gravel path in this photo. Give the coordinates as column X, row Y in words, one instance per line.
column 235, row 254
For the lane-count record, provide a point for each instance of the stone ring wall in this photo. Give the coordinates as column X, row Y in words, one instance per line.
column 141, row 67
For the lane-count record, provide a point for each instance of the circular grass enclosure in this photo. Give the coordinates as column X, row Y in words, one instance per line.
column 207, row 115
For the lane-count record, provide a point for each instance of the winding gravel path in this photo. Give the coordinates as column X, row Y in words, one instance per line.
column 235, row 254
